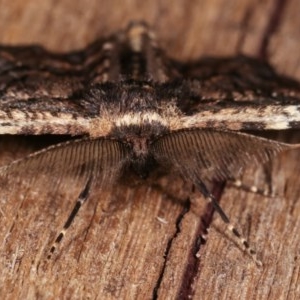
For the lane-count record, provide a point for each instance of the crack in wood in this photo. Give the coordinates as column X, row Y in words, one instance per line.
column 179, row 219
column 186, row 290
column 273, row 24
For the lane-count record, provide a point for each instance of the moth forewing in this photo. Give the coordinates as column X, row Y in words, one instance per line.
column 271, row 117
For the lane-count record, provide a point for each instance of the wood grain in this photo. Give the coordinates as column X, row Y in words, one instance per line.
column 139, row 242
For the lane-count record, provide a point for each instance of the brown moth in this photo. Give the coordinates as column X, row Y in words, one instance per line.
column 139, row 110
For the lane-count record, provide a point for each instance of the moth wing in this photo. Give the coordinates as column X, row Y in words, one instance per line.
column 240, row 79
column 44, row 92
column 238, row 93
column 208, row 155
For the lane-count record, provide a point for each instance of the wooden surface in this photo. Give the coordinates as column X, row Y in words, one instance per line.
column 138, row 242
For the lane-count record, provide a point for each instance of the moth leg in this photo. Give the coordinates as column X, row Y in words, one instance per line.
column 83, row 196
column 267, row 192
column 243, row 241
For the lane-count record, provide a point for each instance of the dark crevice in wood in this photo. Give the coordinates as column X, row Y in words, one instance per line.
column 273, row 24
column 179, row 219
column 244, row 29
column 186, row 290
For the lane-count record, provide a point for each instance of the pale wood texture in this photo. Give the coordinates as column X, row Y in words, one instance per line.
column 138, row 243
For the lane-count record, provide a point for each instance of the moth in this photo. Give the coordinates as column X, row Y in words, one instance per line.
column 135, row 109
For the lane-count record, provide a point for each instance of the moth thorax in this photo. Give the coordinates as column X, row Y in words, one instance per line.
column 139, row 128
column 140, row 119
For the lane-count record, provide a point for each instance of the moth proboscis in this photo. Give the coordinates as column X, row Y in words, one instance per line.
column 139, row 110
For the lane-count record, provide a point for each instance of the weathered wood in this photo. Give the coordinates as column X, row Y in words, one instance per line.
column 137, row 242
